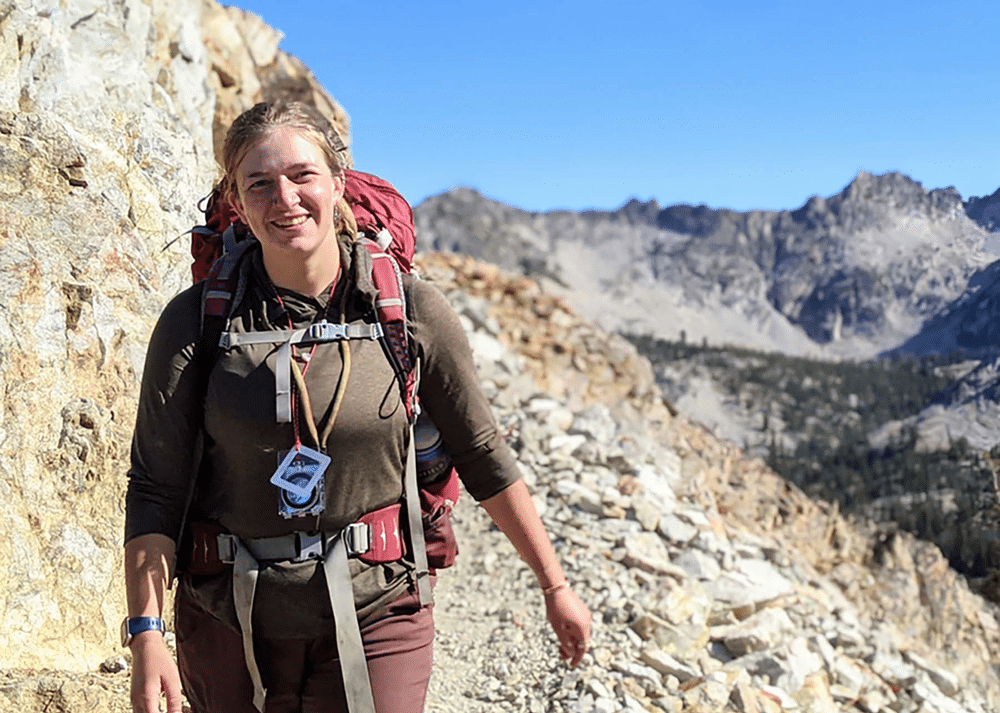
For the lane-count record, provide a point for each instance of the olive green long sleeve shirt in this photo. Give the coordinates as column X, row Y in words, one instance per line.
column 243, row 442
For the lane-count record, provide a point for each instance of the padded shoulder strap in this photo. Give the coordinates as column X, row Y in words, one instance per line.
column 390, row 308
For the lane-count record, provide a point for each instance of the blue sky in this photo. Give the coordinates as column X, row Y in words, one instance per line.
column 584, row 104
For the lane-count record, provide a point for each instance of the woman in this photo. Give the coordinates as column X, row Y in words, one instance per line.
column 270, row 623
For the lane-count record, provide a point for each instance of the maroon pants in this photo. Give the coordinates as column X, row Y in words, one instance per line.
column 303, row 675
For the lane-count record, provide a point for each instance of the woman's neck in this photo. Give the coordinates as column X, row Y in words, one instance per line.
column 310, row 277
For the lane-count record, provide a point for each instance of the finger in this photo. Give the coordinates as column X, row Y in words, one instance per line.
column 149, row 701
column 173, row 698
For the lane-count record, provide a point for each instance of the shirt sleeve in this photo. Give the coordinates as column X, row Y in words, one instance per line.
column 167, row 424
column 453, row 397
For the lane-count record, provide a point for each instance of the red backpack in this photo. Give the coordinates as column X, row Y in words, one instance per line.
column 386, row 229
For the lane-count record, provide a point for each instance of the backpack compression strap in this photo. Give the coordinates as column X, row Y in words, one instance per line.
column 390, row 307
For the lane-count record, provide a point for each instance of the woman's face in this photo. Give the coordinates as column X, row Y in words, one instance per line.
column 286, row 193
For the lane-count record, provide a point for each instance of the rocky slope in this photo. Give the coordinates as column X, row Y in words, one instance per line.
column 715, row 585
column 853, row 274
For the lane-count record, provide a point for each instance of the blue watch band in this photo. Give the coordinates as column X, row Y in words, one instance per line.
column 138, row 624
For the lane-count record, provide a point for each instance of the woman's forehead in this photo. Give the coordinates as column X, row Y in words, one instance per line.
column 280, row 149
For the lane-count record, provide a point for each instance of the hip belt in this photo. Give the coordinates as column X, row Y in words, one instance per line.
column 351, row 650
column 374, row 538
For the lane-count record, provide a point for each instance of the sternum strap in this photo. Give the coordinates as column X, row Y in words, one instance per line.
column 318, row 333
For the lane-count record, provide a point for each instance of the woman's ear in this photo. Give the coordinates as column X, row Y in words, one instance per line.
column 238, row 207
column 339, row 184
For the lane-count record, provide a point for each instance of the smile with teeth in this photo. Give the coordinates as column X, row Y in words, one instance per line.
column 291, row 222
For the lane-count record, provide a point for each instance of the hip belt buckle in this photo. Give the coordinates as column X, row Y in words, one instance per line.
column 309, row 546
column 226, row 545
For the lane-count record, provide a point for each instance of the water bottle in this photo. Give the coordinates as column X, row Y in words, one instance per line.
column 433, row 460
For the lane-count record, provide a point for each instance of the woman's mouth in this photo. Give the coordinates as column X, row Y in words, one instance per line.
column 291, row 222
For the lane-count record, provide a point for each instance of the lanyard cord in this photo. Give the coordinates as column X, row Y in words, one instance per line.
column 300, row 372
column 300, row 382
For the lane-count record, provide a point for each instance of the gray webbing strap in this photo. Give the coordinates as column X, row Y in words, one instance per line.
column 320, row 332
column 350, row 648
column 416, row 523
column 413, row 514
column 353, row 665
column 283, row 384
column 245, row 570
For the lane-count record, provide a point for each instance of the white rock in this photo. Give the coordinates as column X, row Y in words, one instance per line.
column 667, row 665
column 752, row 583
column 946, row 681
column 647, row 551
column 759, row 632
column 698, row 564
column 676, row 530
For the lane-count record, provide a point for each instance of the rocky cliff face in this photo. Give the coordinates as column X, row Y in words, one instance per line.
column 852, row 274
column 107, row 117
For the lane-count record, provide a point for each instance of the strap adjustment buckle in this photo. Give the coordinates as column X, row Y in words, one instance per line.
column 309, row 546
column 325, row 332
column 226, row 545
column 357, row 538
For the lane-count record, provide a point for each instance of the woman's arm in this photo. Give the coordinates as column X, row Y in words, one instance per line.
column 450, row 391
column 168, row 420
column 148, row 571
column 513, row 511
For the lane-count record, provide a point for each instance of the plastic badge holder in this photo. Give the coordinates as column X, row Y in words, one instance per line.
column 300, row 470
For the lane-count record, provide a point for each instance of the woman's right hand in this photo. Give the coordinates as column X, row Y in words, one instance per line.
column 154, row 671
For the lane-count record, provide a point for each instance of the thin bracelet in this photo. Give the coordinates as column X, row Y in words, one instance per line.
column 546, row 591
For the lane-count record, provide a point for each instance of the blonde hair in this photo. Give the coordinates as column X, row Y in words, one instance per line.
column 253, row 124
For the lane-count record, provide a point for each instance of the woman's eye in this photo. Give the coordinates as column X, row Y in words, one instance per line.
column 257, row 185
column 304, row 175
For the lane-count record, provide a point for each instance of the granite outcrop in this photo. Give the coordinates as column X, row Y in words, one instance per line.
column 109, row 118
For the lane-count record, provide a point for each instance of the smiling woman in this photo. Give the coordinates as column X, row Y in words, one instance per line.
column 288, row 196
column 293, row 613
column 285, row 179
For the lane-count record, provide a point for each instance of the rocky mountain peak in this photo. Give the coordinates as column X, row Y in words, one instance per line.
column 882, row 198
column 985, row 210
column 852, row 274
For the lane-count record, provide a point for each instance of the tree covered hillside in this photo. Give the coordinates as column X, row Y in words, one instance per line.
column 812, row 421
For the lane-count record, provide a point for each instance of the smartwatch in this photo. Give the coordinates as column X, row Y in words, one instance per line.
column 138, row 624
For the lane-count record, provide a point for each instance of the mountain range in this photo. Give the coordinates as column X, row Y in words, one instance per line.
column 883, row 265
column 889, row 291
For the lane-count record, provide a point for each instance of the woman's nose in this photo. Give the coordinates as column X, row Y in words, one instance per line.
column 286, row 193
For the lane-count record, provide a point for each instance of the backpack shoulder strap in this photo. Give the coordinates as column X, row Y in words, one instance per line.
column 390, row 308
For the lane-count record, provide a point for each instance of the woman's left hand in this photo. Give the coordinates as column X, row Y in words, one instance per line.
column 570, row 619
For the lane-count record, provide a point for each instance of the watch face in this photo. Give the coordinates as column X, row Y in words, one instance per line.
column 126, row 637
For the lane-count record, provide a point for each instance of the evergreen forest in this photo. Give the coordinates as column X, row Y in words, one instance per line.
column 813, row 420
